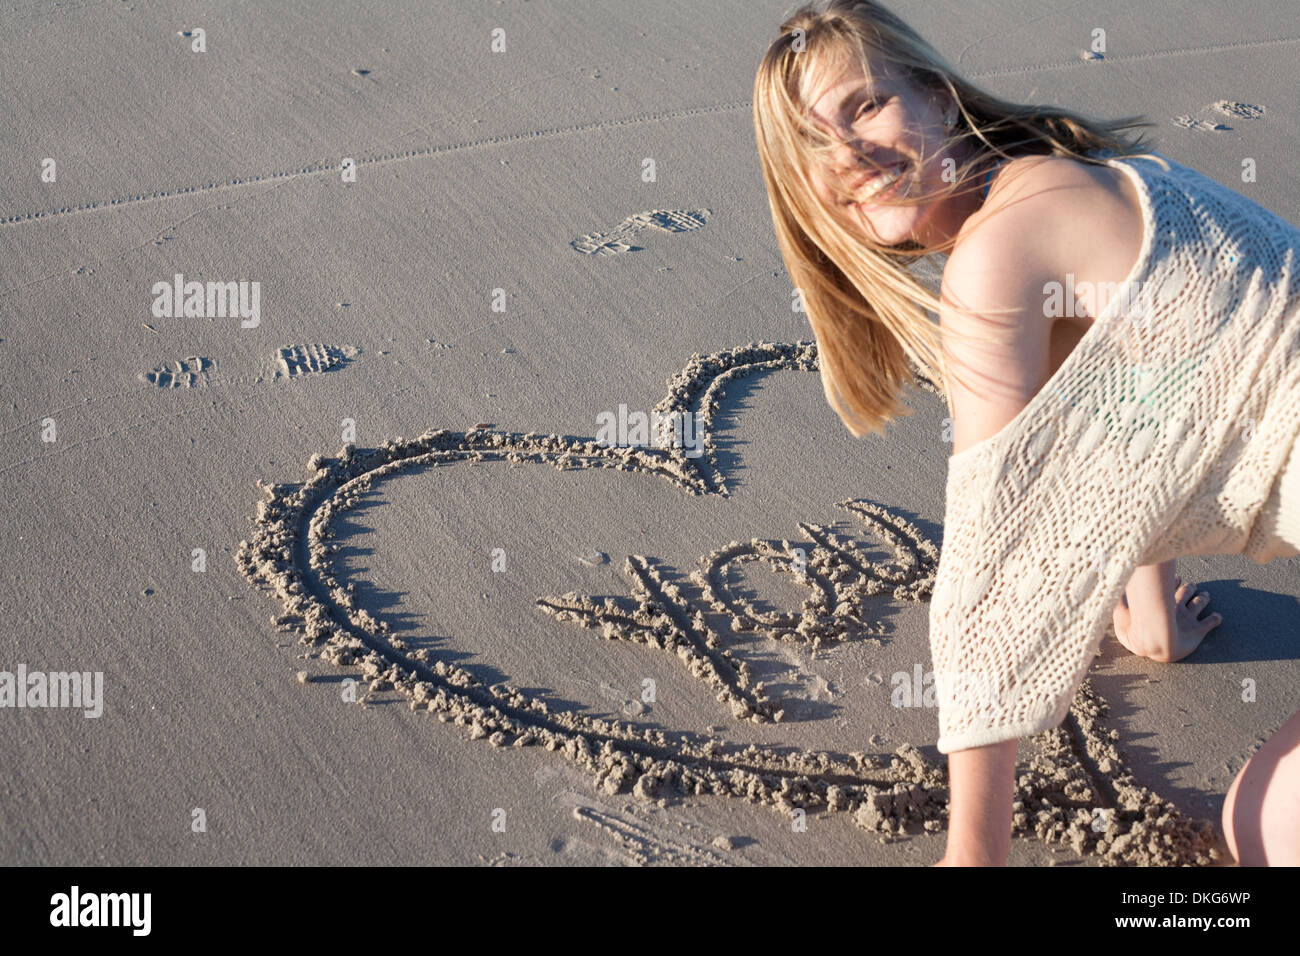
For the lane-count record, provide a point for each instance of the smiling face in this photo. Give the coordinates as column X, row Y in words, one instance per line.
column 883, row 123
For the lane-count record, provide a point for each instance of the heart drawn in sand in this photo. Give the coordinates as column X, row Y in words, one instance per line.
column 1076, row 791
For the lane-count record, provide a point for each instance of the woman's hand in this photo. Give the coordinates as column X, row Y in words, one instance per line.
column 1158, row 615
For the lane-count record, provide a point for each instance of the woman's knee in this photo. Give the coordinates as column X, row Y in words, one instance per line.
column 1261, row 812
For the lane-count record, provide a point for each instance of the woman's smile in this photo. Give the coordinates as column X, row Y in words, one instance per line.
column 882, row 185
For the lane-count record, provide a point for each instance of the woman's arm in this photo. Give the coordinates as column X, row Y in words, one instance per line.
column 982, row 780
column 981, row 788
column 994, row 285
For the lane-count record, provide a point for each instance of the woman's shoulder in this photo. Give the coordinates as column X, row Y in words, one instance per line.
column 1032, row 190
column 1056, row 214
column 1045, row 218
column 1015, row 224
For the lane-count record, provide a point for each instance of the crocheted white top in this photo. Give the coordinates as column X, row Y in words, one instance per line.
column 1159, row 436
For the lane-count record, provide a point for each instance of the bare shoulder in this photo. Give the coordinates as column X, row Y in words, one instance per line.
column 1052, row 199
column 991, row 299
column 1072, row 216
column 1044, row 217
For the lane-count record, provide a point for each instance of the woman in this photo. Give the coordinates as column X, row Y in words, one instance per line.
column 1115, row 343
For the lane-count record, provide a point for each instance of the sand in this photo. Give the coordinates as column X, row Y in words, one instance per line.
column 1077, row 791
column 430, row 650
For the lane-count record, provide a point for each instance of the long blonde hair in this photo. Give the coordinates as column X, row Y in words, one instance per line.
column 867, row 308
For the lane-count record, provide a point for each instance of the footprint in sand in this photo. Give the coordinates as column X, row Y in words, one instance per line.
column 291, row 361
column 295, row 360
column 1200, row 126
column 620, row 239
column 191, row 372
column 1240, row 110
column 1226, row 107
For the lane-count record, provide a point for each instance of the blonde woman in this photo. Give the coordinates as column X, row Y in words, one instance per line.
column 1115, row 341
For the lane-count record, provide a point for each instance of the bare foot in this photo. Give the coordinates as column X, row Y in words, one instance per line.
column 1173, row 636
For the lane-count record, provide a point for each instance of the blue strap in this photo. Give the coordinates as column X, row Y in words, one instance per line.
column 988, row 177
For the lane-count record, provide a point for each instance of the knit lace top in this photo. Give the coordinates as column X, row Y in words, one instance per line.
column 1159, row 436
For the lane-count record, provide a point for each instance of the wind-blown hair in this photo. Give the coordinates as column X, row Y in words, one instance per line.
column 870, row 313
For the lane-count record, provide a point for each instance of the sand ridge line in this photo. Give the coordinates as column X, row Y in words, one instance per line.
column 643, row 846
column 1056, row 799
column 1070, row 63
column 321, row 168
